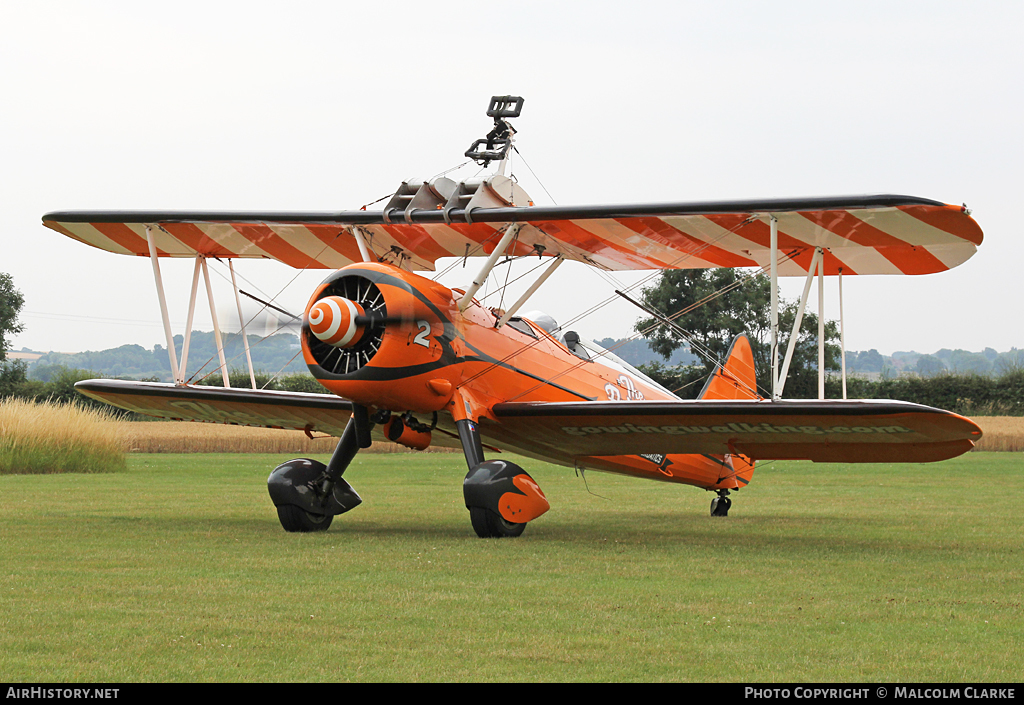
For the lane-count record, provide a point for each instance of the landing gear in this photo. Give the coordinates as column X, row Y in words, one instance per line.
column 294, row 519
column 720, row 504
column 500, row 496
column 489, row 525
column 308, row 494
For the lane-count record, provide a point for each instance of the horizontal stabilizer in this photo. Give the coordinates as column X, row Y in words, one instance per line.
column 854, row 431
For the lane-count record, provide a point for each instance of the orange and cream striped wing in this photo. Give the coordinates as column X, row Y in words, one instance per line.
column 859, row 235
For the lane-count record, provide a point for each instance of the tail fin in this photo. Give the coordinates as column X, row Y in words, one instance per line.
column 735, row 378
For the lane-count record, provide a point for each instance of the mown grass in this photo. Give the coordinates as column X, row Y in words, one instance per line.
column 178, row 571
column 51, row 437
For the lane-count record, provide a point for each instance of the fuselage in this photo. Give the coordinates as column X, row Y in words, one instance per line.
column 429, row 357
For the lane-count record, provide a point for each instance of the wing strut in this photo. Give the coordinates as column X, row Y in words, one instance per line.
column 529, row 292
column 842, row 331
column 776, row 384
column 241, row 322
column 817, row 266
column 821, row 322
column 795, row 334
column 485, row 271
column 357, row 234
column 216, row 326
column 178, row 373
column 180, row 379
column 163, row 300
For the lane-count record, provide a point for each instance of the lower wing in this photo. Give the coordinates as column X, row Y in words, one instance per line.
column 853, row 431
column 243, row 407
column 302, row 411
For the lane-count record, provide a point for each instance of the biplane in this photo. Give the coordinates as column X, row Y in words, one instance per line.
column 417, row 363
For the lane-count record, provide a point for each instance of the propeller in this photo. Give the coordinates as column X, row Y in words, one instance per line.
column 341, row 322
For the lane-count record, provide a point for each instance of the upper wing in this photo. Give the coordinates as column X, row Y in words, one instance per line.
column 825, row 431
column 860, row 234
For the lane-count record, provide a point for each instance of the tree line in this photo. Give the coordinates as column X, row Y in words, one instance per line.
column 968, row 394
column 718, row 304
column 280, row 353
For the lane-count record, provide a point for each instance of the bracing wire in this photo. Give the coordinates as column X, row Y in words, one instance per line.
column 516, row 149
column 264, row 307
column 283, row 367
column 699, row 350
column 446, row 171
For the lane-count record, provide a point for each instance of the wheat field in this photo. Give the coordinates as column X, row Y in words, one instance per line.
column 47, row 437
column 1001, row 433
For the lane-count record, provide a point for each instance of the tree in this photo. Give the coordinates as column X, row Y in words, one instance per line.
column 721, row 304
column 11, row 302
column 965, row 361
column 870, row 361
column 12, row 373
column 929, row 366
column 1010, row 362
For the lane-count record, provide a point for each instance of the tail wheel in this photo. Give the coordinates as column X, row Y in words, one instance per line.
column 295, row 519
column 720, row 506
column 489, row 525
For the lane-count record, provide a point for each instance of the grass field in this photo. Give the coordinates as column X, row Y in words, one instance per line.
column 177, row 570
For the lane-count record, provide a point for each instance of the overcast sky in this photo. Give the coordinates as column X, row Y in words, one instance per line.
column 327, row 106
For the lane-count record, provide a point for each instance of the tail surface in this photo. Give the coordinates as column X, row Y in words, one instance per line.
column 735, row 379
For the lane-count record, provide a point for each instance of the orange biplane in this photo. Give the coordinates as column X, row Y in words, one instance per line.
column 417, row 363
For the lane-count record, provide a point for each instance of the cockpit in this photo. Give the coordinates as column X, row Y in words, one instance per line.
column 586, row 349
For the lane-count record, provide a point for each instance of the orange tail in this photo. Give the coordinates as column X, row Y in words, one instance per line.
column 735, row 379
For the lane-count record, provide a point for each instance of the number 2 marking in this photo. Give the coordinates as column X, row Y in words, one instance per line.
column 421, row 337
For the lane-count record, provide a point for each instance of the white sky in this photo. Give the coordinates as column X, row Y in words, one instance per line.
column 326, row 106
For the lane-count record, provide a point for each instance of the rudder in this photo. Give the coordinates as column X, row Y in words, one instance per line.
column 735, row 378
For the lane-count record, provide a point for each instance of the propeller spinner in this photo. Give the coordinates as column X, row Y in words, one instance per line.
column 335, row 321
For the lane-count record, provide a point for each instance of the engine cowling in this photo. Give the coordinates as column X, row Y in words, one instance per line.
column 382, row 337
